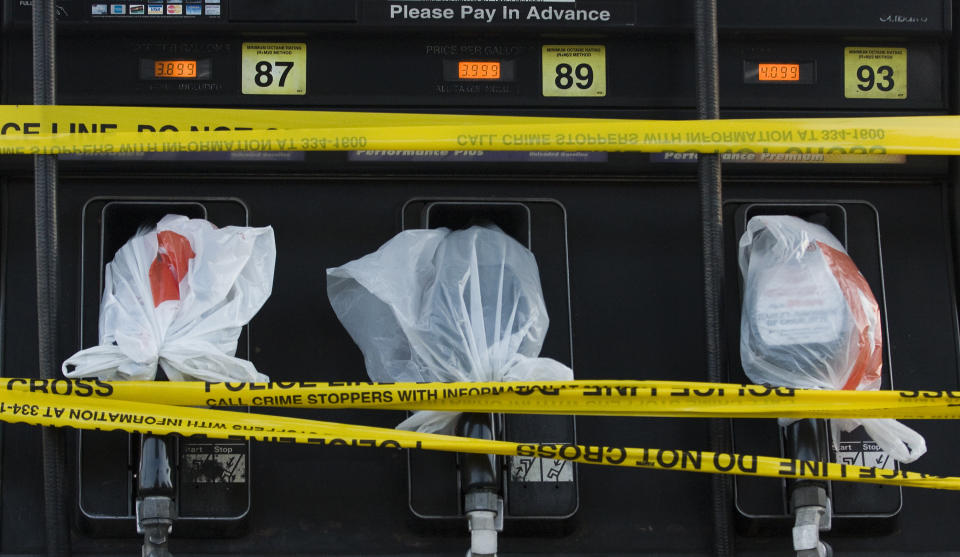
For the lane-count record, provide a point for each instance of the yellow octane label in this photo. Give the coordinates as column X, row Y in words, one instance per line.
column 574, row 70
column 88, row 412
column 871, row 72
column 274, row 68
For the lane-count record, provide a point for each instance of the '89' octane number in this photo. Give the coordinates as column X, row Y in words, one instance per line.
column 274, row 69
column 574, row 70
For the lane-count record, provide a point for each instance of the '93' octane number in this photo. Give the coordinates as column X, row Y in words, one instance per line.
column 274, row 69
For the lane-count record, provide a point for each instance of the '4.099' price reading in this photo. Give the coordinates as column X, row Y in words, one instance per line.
column 778, row 72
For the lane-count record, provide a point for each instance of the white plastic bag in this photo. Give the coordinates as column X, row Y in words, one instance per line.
column 810, row 321
column 436, row 305
column 178, row 295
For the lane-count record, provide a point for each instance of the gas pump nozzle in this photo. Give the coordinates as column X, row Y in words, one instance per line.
column 809, row 503
column 480, row 483
column 155, row 506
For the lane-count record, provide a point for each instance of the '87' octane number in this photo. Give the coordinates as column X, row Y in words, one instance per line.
column 264, row 77
column 274, row 69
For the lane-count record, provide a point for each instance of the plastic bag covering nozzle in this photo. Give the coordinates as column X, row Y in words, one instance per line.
column 442, row 306
column 178, row 295
column 810, row 321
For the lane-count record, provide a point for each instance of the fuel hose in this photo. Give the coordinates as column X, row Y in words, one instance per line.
column 45, row 211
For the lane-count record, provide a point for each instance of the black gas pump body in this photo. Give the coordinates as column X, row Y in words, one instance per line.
column 616, row 235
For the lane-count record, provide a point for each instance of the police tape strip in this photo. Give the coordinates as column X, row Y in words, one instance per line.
column 85, row 129
column 107, row 414
column 581, row 397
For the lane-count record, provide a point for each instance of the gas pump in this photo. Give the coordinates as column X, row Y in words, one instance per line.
column 618, row 237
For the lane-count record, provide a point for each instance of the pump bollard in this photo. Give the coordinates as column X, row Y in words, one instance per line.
column 480, row 483
column 155, row 505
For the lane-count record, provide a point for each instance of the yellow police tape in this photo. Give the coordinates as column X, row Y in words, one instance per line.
column 93, row 404
column 90, row 129
column 580, row 397
column 109, row 414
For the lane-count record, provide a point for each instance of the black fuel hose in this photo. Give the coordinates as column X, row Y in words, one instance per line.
column 45, row 209
column 708, row 167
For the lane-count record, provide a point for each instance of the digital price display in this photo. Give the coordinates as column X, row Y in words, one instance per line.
column 478, row 70
column 175, row 68
column 779, row 72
